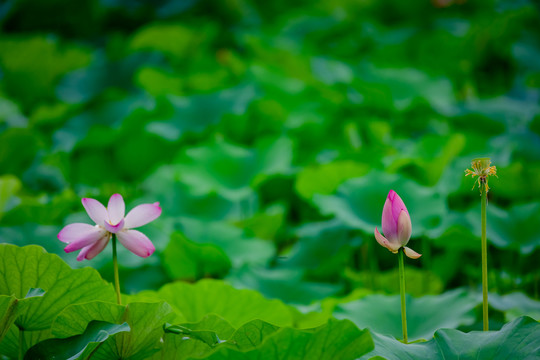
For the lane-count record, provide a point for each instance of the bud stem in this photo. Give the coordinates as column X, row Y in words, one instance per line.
column 401, row 256
column 116, row 276
column 484, row 263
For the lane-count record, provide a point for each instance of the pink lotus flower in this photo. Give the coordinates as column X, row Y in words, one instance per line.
column 396, row 226
column 91, row 240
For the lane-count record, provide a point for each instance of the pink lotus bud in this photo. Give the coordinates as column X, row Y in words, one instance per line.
column 396, row 226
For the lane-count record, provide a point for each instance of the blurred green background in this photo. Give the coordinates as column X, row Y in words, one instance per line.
column 271, row 133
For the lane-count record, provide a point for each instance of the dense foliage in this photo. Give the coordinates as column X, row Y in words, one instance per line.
column 270, row 133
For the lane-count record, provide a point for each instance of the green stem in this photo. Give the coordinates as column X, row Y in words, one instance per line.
column 402, row 292
column 115, row 265
column 484, row 264
column 21, row 343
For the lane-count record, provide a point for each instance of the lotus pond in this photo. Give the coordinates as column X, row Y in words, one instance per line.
column 204, row 180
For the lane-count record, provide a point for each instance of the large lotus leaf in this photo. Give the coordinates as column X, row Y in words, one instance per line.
column 174, row 40
column 266, row 224
column 19, row 148
column 519, row 339
column 382, row 313
column 196, row 113
column 230, row 170
column 32, row 233
column 82, row 85
column 10, row 345
column 11, row 115
column 406, row 84
column 359, row 203
column 145, row 320
column 214, row 323
column 334, row 340
column 8, row 313
column 184, row 259
column 526, row 170
column 427, row 158
column 177, row 199
column 515, row 228
column 419, row 282
column 325, row 178
column 158, row 82
column 20, row 68
column 221, row 167
column 285, row 284
column 331, row 71
column 196, row 339
column 195, row 301
column 252, row 334
column 515, row 304
column 81, row 346
column 30, row 267
column 9, row 186
column 317, row 244
column 96, row 125
column 504, row 108
column 239, row 248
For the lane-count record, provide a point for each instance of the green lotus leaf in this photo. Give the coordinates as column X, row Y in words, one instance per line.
column 382, row 313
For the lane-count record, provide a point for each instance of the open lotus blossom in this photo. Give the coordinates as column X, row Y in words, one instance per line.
column 396, row 226
column 92, row 239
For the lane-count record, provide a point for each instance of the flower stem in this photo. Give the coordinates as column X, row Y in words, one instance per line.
column 21, row 341
column 115, row 265
column 484, row 263
column 402, row 292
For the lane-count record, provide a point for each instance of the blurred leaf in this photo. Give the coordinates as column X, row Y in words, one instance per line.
column 408, row 83
column 240, row 248
column 9, row 186
column 359, row 203
column 195, row 113
column 419, row 282
column 174, row 40
column 265, row 225
column 79, row 346
column 159, row 82
column 177, row 199
column 10, row 114
column 19, row 147
column 382, row 313
column 82, row 85
column 426, row 159
column 325, row 178
column 512, row 229
column 18, row 60
column 331, row 71
column 322, row 247
column 514, row 305
column 184, row 259
column 287, row 285
column 231, row 170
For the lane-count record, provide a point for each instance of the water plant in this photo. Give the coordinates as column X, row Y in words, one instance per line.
column 481, row 167
column 111, row 223
column 397, row 228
